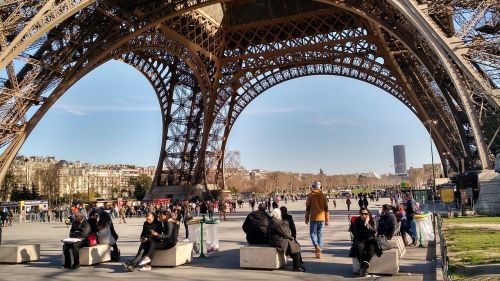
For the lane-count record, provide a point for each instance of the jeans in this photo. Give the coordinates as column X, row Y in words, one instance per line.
column 316, row 232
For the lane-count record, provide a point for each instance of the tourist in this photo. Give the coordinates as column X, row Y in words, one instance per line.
column 93, row 217
column 107, row 235
column 122, row 214
column 410, row 226
column 80, row 229
column 364, row 242
column 365, row 202
column 387, row 223
column 210, row 209
column 255, row 226
column 164, row 237
column 348, row 203
column 275, row 204
column 186, row 215
column 146, row 237
column 288, row 221
column 279, row 237
column 222, row 209
column 317, row 215
column 204, row 208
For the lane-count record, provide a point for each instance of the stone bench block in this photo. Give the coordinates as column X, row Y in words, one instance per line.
column 388, row 263
column 263, row 257
column 19, row 253
column 397, row 243
column 93, row 255
column 180, row 254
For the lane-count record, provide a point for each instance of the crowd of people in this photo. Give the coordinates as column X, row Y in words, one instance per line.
column 277, row 228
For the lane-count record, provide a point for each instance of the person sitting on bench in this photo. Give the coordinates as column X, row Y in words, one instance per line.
column 364, row 241
column 280, row 238
column 164, row 239
column 151, row 224
column 79, row 229
column 387, row 223
column 255, row 226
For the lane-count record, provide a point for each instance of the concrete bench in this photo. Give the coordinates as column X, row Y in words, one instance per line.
column 388, row 263
column 180, row 254
column 19, row 253
column 261, row 257
column 397, row 243
column 93, row 255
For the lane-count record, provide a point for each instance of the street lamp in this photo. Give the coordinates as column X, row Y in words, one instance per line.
column 432, row 123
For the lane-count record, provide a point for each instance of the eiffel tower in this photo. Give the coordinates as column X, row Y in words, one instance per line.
column 207, row 60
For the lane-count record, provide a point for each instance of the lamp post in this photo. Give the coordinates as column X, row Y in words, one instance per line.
column 432, row 123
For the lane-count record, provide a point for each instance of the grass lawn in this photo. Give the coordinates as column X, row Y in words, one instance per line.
column 472, row 241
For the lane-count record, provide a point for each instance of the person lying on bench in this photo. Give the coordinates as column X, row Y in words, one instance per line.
column 151, row 224
column 255, row 226
column 164, row 239
column 80, row 229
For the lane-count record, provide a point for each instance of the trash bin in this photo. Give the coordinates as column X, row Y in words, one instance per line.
column 194, row 227
column 212, row 236
column 425, row 230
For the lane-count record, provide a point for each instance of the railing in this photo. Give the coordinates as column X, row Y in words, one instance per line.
column 444, row 249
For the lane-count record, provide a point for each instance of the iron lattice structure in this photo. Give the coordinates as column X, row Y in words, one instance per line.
column 207, row 60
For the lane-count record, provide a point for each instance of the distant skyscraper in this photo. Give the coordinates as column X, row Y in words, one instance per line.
column 399, row 159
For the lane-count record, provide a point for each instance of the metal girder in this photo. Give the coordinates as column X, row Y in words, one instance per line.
column 207, row 60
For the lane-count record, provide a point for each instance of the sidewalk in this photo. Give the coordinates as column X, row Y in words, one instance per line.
column 417, row 263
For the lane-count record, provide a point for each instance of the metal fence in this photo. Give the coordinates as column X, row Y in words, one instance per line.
column 444, row 249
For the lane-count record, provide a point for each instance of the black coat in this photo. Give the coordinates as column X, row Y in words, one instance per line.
column 362, row 232
column 80, row 230
column 255, row 227
column 288, row 221
column 387, row 225
column 168, row 231
column 280, row 238
column 147, row 227
column 93, row 225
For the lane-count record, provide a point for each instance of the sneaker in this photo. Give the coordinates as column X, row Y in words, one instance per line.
column 145, row 261
column 145, row 268
column 300, row 269
column 128, row 267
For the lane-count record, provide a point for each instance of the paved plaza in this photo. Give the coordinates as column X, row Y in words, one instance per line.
column 417, row 264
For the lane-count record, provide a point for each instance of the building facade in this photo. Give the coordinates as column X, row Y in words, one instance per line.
column 63, row 178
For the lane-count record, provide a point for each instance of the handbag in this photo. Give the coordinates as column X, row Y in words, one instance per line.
column 382, row 242
column 92, row 239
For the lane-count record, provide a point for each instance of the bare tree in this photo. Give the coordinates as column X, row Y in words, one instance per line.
column 232, row 163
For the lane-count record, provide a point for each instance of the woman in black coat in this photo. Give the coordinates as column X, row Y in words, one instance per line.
column 388, row 223
column 364, row 241
column 279, row 237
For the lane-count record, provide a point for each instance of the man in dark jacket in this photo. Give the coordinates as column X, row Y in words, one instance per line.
column 80, row 229
column 164, row 237
column 255, row 226
column 150, row 225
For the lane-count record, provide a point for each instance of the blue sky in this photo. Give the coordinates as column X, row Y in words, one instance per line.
column 337, row 124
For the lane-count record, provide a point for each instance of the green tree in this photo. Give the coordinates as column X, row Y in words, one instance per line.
column 141, row 185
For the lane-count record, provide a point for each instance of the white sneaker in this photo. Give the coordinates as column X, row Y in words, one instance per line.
column 144, row 268
column 145, row 261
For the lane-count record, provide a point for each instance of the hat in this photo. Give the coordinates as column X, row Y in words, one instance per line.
column 316, row 184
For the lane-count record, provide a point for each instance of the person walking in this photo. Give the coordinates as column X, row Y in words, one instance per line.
column 316, row 216
column 348, row 203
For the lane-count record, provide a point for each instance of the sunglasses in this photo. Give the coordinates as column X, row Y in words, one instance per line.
column 365, row 214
